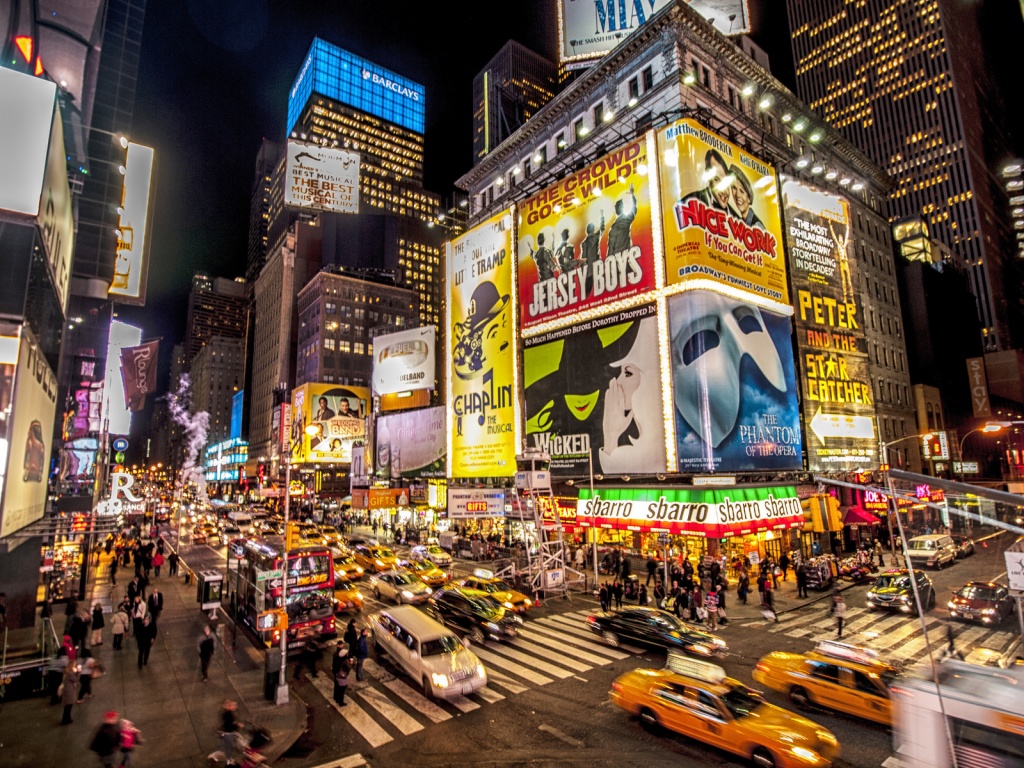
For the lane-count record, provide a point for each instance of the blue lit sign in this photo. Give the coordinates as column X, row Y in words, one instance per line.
column 236, row 414
column 344, row 77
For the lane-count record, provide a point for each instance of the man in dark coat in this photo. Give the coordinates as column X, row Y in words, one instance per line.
column 107, row 739
column 144, row 636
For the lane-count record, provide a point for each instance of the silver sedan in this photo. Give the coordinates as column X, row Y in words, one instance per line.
column 400, row 586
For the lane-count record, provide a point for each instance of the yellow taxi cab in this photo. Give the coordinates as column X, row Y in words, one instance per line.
column 345, row 566
column 332, row 535
column 347, row 599
column 427, row 572
column 309, row 535
column 375, row 558
column 834, row 675
column 498, row 589
column 696, row 699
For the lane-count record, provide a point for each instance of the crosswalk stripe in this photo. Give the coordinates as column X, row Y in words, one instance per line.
column 382, row 704
column 462, row 704
column 525, row 658
column 510, row 685
column 419, row 702
column 818, row 622
column 898, row 635
column 564, row 637
column 565, row 659
column 878, row 628
column 509, row 666
column 491, row 697
column 863, row 621
column 352, row 761
column 583, row 632
column 557, row 645
column 354, row 715
column 972, row 636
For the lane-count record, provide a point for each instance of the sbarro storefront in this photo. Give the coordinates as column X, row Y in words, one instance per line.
column 730, row 522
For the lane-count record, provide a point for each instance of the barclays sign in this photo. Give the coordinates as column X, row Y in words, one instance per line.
column 391, row 85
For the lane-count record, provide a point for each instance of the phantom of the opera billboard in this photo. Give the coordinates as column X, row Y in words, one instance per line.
column 411, row 444
column 720, row 209
column 322, row 178
column 839, row 408
column 339, row 415
column 482, row 400
column 595, row 388
column 587, row 241
column 733, row 383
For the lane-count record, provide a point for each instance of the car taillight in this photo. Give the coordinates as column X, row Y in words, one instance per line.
column 617, row 687
column 761, row 667
column 591, row 619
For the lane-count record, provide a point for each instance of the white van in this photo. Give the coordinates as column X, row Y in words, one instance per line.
column 934, row 550
column 242, row 519
column 427, row 651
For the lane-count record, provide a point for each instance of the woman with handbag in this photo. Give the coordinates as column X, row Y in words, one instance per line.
column 341, row 665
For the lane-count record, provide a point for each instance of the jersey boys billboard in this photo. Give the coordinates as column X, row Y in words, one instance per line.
column 596, row 387
column 481, row 352
column 838, row 400
column 587, row 240
column 720, row 212
column 734, row 386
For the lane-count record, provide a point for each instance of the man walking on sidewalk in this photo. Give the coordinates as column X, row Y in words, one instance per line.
column 206, row 646
column 801, row 581
column 362, row 651
column 144, row 636
column 155, row 605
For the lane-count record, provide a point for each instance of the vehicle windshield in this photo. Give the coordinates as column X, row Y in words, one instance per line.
column 405, row 578
column 345, row 560
column 741, row 701
column 921, row 544
column 668, row 621
column 977, row 593
column 484, row 606
column 496, row 586
column 445, row 644
column 896, row 581
column 382, row 554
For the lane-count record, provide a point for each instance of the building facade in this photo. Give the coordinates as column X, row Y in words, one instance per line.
column 216, row 307
column 218, row 370
column 267, row 160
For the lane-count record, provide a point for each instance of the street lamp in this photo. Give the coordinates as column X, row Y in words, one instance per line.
column 992, row 426
column 282, row 679
column 892, row 494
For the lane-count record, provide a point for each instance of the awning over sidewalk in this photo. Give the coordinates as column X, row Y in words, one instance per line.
column 859, row 516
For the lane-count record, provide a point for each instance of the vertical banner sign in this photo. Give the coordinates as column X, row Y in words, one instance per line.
column 734, row 386
column 587, row 240
column 720, row 210
column 131, row 265
column 979, row 387
column 593, row 389
column 138, row 373
column 481, row 352
column 839, row 409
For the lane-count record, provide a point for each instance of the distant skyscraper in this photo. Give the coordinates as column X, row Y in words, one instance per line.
column 217, row 372
column 215, row 308
column 906, row 83
column 507, row 92
column 259, row 209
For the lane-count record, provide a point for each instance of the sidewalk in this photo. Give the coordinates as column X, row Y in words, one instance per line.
column 177, row 713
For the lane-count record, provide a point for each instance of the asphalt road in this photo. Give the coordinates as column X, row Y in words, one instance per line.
column 547, row 703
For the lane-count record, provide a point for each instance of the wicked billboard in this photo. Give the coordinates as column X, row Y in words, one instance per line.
column 587, row 241
column 594, row 388
column 839, row 411
column 734, row 386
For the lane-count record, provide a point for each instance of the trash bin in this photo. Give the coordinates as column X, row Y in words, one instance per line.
column 631, row 588
column 271, row 671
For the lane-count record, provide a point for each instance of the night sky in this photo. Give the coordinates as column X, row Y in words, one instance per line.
column 214, row 79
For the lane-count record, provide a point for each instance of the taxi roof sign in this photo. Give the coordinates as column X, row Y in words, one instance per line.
column 699, row 670
column 483, row 573
column 848, row 652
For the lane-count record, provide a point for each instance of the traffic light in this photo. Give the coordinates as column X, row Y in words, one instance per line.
column 291, row 536
column 935, row 445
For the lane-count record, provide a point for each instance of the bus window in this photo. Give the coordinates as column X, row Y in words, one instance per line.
column 978, row 744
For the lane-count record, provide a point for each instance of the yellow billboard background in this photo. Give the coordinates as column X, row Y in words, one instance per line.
column 482, row 400
column 720, row 210
column 339, row 414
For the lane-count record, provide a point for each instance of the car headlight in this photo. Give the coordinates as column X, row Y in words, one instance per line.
column 508, row 605
column 871, row 598
column 359, row 569
column 428, row 590
column 441, row 681
column 719, row 642
column 406, row 593
column 379, row 562
column 703, row 650
column 360, row 595
column 805, row 754
column 951, row 605
column 492, row 626
column 905, row 598
column 988, row 611
column 480, row 671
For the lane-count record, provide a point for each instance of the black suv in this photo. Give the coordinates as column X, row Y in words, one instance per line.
column 892, row 590
column 478, row 616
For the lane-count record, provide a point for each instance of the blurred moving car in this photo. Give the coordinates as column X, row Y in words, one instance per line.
column 375, row 558
column 892, row 590
column 485, row 581
column 332, row 535
column 986, row 601
column 431, row 552
column 347, row 598
column 345, row 566
column 400, row 586
column 834, row 675
column 659, row 629
column 964, row 546
column 427, row 572
column 696, row 699
column 477, row 615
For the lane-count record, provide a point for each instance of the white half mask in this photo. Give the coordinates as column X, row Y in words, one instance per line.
column 710, row 335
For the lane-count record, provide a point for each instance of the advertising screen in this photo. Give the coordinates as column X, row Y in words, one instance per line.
column 132, row 263
column 733, row 382
column 25, row 124
column 56, row 220
column 237, row 407
column 720, row 209
column 404, row 361
column 26, row 439
column 481, row 356
column 588, row 29
column 595, row 387
column 412, row 444
column 587, row 241
column 339, row 415
column 121, row 337
column 321, row 178
column 839, row 409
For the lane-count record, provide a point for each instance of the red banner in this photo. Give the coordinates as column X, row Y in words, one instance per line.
column 138, row 372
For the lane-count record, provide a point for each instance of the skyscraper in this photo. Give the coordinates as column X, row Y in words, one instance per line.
column 216, row 307
column 508, row 92
column 259, row 209
column 906, row 82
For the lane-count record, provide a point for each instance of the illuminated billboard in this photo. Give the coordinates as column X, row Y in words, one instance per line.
column 237, row 407
column 346, row 78
column 404, row 361
column 25, row 123
column 839, row 410
column 26, row 432
column 733, row 383
column 411, row 444
column 720, row 210
column 321, row 178
column 339, row 415
column 595, row 388
column 56, row 220
column 588, row 29
column 587, row 241
column 119, row 418
column 131, row 265
column 482, row 399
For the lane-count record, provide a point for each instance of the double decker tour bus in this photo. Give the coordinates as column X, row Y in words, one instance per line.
column 255, row 575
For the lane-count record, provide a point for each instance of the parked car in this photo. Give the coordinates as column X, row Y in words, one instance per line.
column 933, row 550
column 892, row 590
column 964, row 546
column 984, row 601
column 653, row 627
column 400, row 586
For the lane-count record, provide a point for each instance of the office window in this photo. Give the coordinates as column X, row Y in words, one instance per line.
column 648, row 78
column 634, row 88
column 706, row 76
column 344, row 346
column 560, row 143
column 540, row 156
column 577, row 130
column 358, row 348
column 599, row 114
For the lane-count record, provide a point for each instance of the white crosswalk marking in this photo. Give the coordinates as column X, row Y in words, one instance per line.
column 571, row 642
column 462, row 704
column 580, row 630
column 504, row 681
column 419, row 702
column 518, row 670
column 491, row 697
column 352, row 761
column 896, row 636
column 382, row 704
column 550, row 642
column 565, row 659
column 363, row 724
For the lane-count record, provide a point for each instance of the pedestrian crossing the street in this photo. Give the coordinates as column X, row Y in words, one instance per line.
column 386, row 707
column 896, row 636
